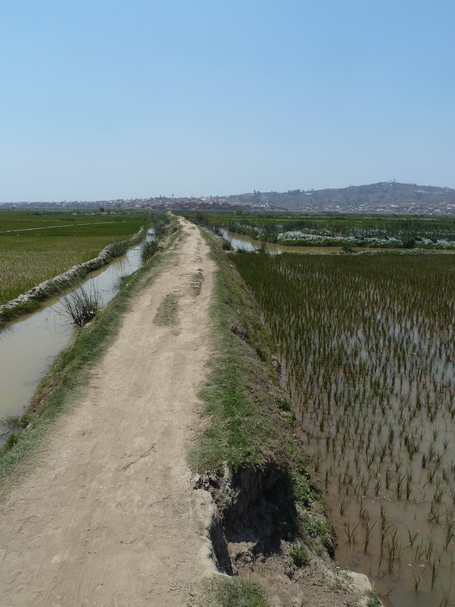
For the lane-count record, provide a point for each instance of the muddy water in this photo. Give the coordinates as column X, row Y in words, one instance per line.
column 407, row 553
column 29, row 345
column 240, row 242
column 403, row 542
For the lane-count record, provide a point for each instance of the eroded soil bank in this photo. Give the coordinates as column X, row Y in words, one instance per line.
column 111, row 514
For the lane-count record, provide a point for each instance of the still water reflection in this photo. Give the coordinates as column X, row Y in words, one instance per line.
column 29, row 345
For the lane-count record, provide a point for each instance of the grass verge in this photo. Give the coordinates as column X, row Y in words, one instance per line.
column 69, row 374
column 221, row 591
column 250, row 423
column 250, row 426
column 237, row 395
column 167, row 311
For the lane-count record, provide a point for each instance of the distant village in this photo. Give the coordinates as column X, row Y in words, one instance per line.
column 163, row 203
column 381, row 198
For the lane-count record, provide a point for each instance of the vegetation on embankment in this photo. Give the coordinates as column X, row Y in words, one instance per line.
column 69, row 373
column 40, row 260
column 336, row 230
column 233, row 592
column 35, row 247
column 250, row 439
column 250, row 418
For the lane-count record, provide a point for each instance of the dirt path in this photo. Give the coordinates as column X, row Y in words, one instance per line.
column 109, row 517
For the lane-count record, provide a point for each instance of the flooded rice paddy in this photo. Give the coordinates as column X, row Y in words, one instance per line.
column 29, row 345
column 368, row 344
column 240, row 242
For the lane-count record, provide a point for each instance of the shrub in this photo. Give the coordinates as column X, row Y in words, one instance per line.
column 81, row 305
column 148, row 249
column 118, row 248
column 300, row 556
column 223, row 591
column 10, row 442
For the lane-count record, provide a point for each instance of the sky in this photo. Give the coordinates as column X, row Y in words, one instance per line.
column 107, row 99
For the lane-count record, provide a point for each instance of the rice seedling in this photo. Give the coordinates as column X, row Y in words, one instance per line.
column 419, row 550
column 344, row 505
column 409, row 483
column 434, row 571
column 34, row 248
column 418, row 577
column 394, row 549
column 368, row 342
column 368, row 535
column 449, row 532
column 351, row 533
column 412, row 535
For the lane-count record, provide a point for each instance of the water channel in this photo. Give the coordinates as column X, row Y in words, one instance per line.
column 30, row 344
column 241, row 242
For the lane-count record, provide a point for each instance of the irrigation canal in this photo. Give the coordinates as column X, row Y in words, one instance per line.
column 30, row 344
column 241, row 242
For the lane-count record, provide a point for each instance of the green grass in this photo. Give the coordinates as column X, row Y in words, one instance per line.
column 300, row 556
column 167, row 311
column 34, row 248
column 248, row 427
column 221, row 591
column 33, row 221
column 243, row 400
column 300, row 229
column 26, row 261
column 373, row 600
column 237, row 395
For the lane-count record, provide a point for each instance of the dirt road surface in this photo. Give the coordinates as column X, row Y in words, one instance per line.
column 108, row 518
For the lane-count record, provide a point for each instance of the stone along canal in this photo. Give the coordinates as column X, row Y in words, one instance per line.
column 29, row 345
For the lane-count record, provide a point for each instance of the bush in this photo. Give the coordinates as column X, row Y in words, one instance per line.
column 81, row 305
column 300, row 556
column 148, row 249
column 10, row 442
column 223, row 591
column 18, row 421
column 160, row 222
column 118, row 248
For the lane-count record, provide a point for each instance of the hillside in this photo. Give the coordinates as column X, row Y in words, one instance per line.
column 384, row 197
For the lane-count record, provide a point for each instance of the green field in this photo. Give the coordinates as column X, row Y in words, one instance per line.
column 368, row 351
column 37, row 246
column 298, row 229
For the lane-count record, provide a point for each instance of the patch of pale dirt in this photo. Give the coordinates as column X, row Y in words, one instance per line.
column 109, row 516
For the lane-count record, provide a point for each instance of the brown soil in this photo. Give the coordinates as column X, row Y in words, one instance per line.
column 109, row 515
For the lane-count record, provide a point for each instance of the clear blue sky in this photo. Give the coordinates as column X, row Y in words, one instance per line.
column 107, row 99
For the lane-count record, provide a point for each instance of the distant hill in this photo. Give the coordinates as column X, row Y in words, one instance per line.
column 384, row 197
